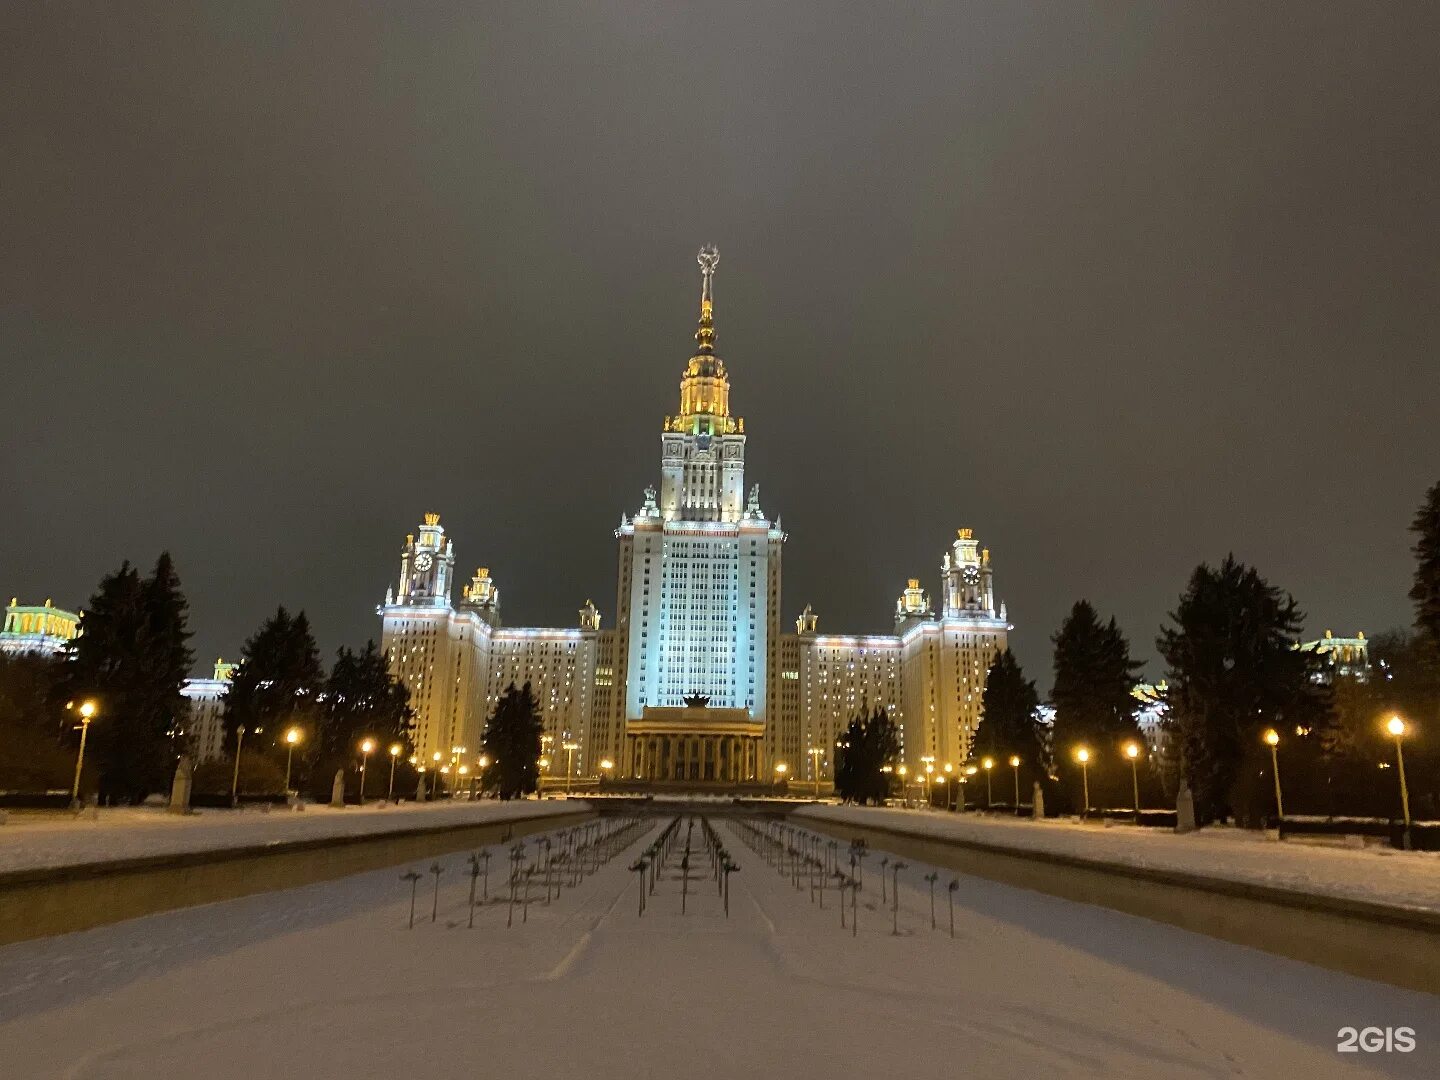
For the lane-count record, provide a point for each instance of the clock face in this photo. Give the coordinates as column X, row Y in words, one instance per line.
column 971, row 575
column 423, row 561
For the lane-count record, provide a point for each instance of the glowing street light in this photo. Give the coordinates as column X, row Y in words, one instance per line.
column 292, row 738
column 1272, row 740
column 88, row 709
column 395, row 751
column 1015, row 768
column 235, row 776
column 605, row 766
column 1132, row 751
column 569, row 748
column 1082, row 755
column 366, row 749
column 988, row 763
column 780, row 770
column 816, row 754
column 1396, row 727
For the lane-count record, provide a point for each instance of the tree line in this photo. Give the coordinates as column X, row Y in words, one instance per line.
column 132, row 659
column 1232, row 672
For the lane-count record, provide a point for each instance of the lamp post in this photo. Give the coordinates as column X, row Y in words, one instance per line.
column 569, row 748
column 1015, row 768
column 395, row 751
column 292, row 737
column 988, row 763
column 1396, row 727
column 605, row 766
column 367, row 747
column 1132, row 751
column 456, row 752
column 484, row 763
column 87, row 711
column 1272, row 740
column 970, row 770
column 816, row 754
column 235, row 776
column 900, row 771
column 1082, row 755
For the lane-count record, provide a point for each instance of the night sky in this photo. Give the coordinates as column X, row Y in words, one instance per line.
column 1122, row 290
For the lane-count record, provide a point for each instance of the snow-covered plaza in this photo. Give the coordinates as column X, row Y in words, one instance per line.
column 330, row 980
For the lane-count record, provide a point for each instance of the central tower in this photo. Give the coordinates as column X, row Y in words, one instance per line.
column 699, row 588
column 702, row 450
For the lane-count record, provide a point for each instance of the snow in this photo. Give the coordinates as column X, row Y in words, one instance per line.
column 326, row 981
column 1379, row 875
column 52, row 840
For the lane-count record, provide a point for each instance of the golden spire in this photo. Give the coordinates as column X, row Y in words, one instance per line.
column 705, row 336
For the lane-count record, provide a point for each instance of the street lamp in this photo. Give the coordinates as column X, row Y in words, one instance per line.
column 292, row 737
column 366, row 749
column 569, row 748
column 1132, row 751
column 605, row 766
column 235, row 776
column 87, row 711
column 1272, row 740
column 816, row 755
column 395, row 751
column 1396, row 727
column 1015, row 768
column 1082, row 755
column 989, row 764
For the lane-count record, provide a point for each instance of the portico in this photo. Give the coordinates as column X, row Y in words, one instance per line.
column 694, row 743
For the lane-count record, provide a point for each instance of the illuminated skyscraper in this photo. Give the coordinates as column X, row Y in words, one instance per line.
column 695, row 683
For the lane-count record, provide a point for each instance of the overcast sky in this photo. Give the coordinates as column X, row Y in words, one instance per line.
column 1121, row 288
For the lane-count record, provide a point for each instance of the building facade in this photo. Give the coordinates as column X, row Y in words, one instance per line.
column 695, row 683
column 43, row 629
column 204, row 730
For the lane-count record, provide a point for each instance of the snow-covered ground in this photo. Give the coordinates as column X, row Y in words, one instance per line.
column 43, row 840
column 326, row 981
column 1380, row 875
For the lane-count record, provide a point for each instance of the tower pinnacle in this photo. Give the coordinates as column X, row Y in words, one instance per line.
column 708, row 258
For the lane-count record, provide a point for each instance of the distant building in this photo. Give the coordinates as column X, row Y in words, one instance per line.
column 46, row 630
column 1150, row 716
column 1347, row 658
column 204, row 728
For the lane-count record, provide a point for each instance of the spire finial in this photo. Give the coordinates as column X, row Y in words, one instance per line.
column 708, row 257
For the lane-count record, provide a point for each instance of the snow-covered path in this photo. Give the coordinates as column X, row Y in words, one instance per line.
column 326, row 981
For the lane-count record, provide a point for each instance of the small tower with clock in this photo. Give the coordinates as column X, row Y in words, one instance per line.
column 966, row 577
column 427, row 567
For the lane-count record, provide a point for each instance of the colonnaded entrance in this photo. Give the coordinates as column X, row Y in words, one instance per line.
column 694, row 743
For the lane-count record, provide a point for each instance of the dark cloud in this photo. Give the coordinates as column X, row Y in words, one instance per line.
column 1121, row 288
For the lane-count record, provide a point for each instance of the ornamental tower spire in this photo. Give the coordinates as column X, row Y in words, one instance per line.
column 705, row 388
column 708, row 258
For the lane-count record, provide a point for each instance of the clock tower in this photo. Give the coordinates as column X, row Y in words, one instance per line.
column 427, row 567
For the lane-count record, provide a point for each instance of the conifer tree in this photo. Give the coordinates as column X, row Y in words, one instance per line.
column 1094, row 703
column 132, row 658
column 277, row 685
column 1233, row 672
column 1425, row 592
column 512, row 743
column 870, row 742
column 1008, row 721
column 361, row 699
